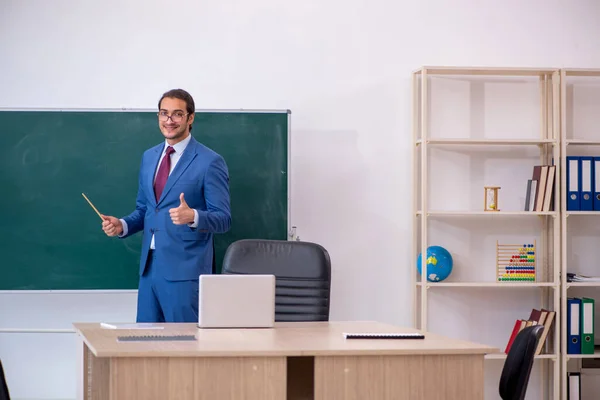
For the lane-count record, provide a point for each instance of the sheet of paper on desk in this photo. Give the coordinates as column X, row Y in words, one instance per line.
column 131, row 326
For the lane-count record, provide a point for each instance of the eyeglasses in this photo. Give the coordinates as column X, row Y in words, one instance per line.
column 176, row 117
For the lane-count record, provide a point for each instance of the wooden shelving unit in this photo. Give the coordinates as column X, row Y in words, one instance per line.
column 548, row 284
column 571, row 144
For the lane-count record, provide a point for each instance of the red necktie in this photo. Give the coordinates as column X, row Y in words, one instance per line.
column 163, row 173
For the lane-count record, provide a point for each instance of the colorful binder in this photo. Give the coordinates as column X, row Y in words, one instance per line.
column 596, row 187
column 586, row 172
column 573, row 326
column 573, row 183
column 574, row 386
column 587, row 325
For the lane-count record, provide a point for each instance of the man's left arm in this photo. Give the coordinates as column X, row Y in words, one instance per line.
column 217, row 217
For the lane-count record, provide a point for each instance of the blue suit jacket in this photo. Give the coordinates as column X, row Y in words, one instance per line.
column 182, row 252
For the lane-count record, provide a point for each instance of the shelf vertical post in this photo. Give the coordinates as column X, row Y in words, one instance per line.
column 424, row 199
column 415, row 172
column 556, row 224
column 563, row 227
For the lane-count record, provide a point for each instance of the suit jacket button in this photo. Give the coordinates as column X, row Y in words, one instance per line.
column 156, row 210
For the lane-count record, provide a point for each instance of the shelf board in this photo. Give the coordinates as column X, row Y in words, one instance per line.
column 502, row 71
column 467, row 213
column 502, row 356
column 496, row 142
column 582, row 72
column 490, row 284
column 583, row 284
column 582, row 142
column 579, row 356
column 582, row 213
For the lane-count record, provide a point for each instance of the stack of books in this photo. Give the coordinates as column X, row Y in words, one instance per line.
column 540, row 189
column 537, row 317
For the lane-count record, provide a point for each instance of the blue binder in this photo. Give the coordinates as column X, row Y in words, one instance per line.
column 586, row 172
column 596, row 185
column 573, row 326
column 573, row 183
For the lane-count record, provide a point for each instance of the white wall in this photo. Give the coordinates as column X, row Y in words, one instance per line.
column 342, row 67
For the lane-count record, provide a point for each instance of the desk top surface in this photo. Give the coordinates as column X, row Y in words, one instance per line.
column 285, row 339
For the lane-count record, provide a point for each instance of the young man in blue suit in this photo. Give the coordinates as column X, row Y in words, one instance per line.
column 182, row 201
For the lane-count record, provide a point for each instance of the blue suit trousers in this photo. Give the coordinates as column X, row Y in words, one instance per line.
column 161, row 300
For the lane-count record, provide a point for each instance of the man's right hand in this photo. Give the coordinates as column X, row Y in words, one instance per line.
column 111, row 226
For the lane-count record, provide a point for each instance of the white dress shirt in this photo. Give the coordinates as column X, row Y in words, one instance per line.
column 179, row 149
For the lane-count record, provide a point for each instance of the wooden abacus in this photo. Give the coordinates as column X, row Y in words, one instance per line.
column 516, row 262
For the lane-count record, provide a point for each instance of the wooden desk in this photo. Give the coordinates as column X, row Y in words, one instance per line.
column 291, row 361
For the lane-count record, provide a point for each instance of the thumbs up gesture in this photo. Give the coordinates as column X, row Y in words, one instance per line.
column 182, row 214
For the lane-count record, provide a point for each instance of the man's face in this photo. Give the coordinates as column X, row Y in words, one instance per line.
column 173, row 119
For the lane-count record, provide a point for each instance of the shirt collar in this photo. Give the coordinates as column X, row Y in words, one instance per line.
column 180, row 146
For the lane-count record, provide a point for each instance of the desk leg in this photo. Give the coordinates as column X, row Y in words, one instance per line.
column 95, row 376
column 414, row 377
column 209, row 378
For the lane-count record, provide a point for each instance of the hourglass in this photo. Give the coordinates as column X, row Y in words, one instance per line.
column 491, row 198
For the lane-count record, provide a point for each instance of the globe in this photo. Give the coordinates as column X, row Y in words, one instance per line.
column 439, row 263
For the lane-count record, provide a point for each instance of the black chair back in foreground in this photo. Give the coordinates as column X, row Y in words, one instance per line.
column 518, row 364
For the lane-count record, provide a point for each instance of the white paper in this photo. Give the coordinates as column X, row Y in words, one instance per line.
column 131, row 326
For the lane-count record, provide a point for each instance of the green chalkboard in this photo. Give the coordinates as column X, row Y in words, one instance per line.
column 52, row 239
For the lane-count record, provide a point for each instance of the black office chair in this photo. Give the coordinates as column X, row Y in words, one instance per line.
column 518, row 364
column 302, row 274
column 4, row 395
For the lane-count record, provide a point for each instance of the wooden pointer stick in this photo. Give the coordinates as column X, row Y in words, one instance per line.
column 88, row 200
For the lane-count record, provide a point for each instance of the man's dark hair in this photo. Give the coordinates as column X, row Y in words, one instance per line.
column 180, row 94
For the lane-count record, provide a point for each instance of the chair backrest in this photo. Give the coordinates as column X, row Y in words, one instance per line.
column 4, row 395
column 302, row 274
column 518, row 364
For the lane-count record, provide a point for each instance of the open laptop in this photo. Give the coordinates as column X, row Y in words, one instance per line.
column 236, row 301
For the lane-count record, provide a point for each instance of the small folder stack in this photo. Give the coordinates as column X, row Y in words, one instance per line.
column 583, row 187
column 580, row 325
